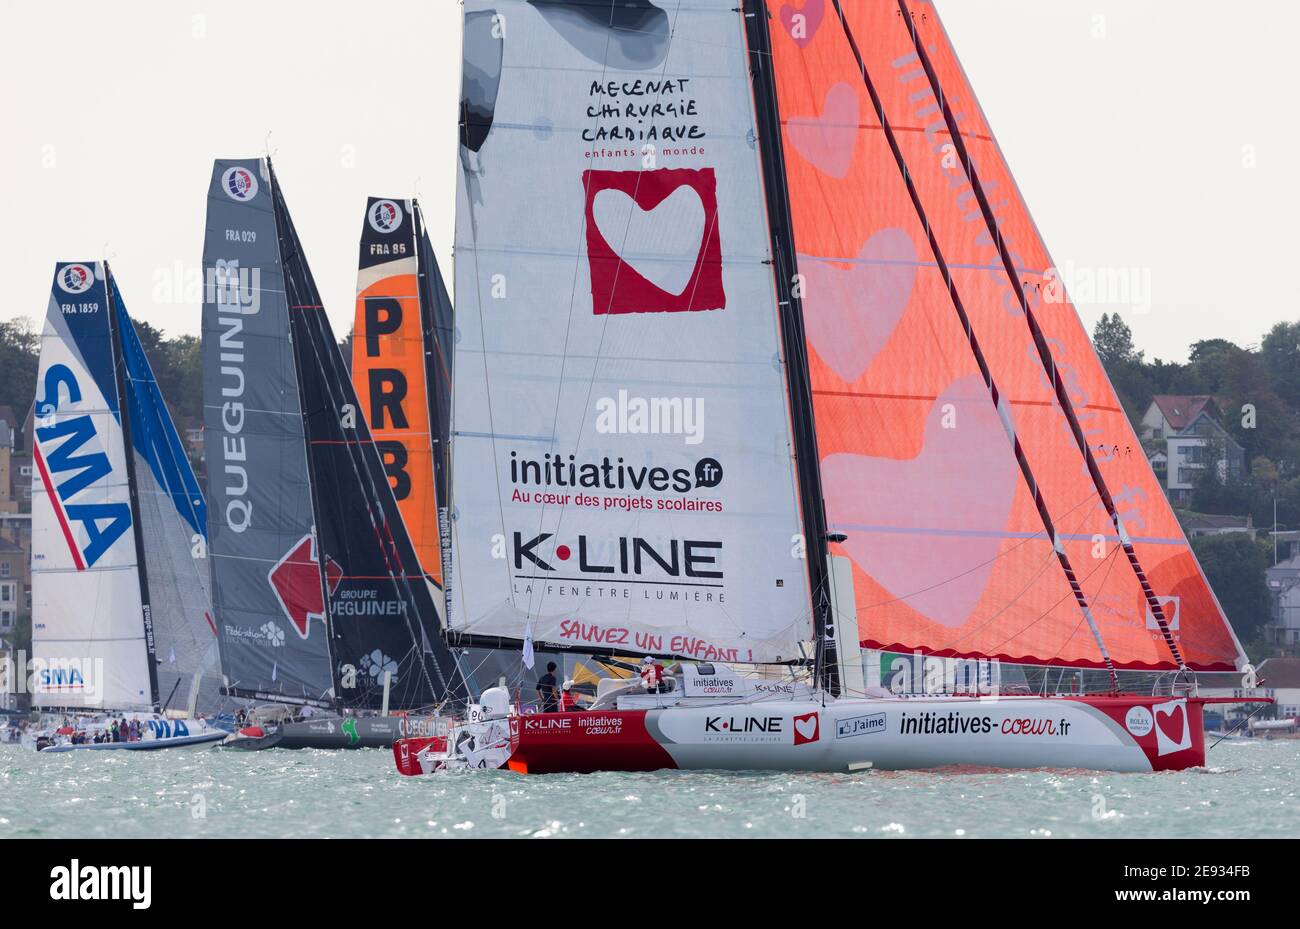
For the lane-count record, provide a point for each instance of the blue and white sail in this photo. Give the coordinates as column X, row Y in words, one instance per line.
column 117, row 569
column 90, row 631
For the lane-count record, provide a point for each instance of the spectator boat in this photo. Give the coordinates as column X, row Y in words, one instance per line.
column 95, row 733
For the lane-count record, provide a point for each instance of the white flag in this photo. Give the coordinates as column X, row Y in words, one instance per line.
column 528, row 645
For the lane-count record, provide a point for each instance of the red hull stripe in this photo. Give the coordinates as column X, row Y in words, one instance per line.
column 585, row 742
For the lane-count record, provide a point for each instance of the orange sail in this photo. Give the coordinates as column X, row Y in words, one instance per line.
column 388, row 371
column 941, row 494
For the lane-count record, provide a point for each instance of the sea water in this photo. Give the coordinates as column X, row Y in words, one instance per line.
column 1251, row 788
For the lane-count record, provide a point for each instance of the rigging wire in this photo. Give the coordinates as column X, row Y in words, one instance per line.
column 986, row 373
column 1040, row 342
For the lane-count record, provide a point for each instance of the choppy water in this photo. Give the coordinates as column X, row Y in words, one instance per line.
column 1253, row 789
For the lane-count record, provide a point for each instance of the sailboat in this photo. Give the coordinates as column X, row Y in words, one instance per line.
column 762, row 364
column 403, row 354
column 121, row 619
column 319, row 593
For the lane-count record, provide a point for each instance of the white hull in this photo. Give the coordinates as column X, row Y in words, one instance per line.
column 156, row 734
column 1120, row 733
column 144, row 745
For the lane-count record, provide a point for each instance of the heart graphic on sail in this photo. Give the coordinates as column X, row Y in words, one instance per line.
column 850, row 313
column 802, row 23
column 1173, row 732
column 653, row 244
column 660, row 244
column 1172, row 723
column 828, row 141
column 929, row 528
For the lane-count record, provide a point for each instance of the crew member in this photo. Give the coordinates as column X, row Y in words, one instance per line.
column 652, row 675
column 568, row 698
column 547, row 690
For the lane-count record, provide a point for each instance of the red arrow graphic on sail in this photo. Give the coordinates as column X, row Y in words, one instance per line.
column 296, row 582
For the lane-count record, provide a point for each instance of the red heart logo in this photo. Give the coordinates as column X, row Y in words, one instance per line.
column 666, row 219
column 806, row 729
column 802, row 25
column 1172, row 723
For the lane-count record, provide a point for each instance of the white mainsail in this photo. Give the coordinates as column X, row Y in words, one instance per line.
column 89, row 644
column 622, row 474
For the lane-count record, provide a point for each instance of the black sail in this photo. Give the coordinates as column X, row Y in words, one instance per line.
column 382, row 615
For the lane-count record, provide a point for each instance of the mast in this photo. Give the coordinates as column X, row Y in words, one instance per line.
column 1040, row 342
column 123, row 405
column 998, row 401
column 277, row 206
column 794, row 341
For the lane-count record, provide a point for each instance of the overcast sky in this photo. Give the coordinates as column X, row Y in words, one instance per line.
column 1152, row 135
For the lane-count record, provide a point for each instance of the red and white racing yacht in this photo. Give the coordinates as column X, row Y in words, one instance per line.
column 762, row 362
column 802, row 730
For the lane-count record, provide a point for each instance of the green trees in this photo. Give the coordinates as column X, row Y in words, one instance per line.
column 20, row 346
column 1234, row 565
column 1113, row 340
column 1258, row 396
column 177, row 367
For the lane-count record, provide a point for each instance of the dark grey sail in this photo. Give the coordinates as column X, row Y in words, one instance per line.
column 266, row 580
